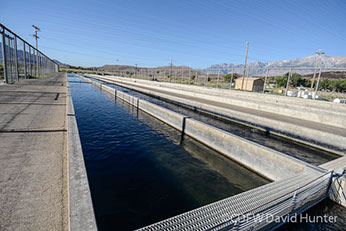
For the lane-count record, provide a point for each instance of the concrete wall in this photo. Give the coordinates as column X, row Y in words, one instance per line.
column 311, row 136
column 266, row 162
column 81, row 212
column 319, row 115
column 276, row 99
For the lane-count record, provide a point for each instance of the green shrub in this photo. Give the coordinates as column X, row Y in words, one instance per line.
column 227, row 77
column 280, row 81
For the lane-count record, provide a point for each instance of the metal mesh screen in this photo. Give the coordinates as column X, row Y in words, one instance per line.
column 19, row 59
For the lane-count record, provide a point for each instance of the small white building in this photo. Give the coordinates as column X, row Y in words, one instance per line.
column 337, row 100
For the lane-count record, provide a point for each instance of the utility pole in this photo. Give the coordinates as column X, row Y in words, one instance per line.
column 318, row 52
column 136, row 71
column 36, row 37
column 170, row 75
column 247, row 48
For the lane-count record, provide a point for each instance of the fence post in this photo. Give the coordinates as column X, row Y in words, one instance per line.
column 318, row 82
column 230, row 83
column 182, row 76
column 196, row 78
column 4, row 58
column 10, row 60
column 218, row 78
column 16, row 57
column 175, row 76
column 189, row 77
column 265, row 81
column 34, row 61
column 38, row 63
column 30, row 66
column 288, row 81
column 24, row 57
column 206, row 79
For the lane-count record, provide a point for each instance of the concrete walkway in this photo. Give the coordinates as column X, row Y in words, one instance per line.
column 33, row 192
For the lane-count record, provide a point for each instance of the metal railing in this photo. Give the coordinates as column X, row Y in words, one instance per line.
column 266, row 207
column 283, row 81
column 19, row 59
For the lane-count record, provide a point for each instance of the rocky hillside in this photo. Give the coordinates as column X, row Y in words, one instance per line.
column 280, row 67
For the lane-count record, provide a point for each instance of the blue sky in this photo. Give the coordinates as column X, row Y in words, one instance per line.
column 196, row 33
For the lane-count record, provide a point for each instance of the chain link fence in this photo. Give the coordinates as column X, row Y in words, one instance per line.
column 308, row 82
column 19, row 59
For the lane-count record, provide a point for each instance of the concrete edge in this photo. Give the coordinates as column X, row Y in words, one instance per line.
column 80, row 209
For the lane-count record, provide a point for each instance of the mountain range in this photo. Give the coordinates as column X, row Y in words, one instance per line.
column 280, row 67
column 303, row 66
column 20, row 55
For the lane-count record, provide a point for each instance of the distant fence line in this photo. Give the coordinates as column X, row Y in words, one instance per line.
column 221, row 78
column 20, row 59
column 272, row 71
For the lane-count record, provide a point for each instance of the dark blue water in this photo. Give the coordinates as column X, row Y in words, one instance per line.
column 139, row 169
column 308, row 154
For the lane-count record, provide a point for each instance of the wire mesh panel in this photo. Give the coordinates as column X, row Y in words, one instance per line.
column 35, row 62
column 21, row 60
column 26, row 60
column 30, row 61
column 1, row 58
column 10, row 58
column 263, row 207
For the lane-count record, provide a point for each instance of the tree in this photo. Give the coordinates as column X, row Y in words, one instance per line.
column 193, row 77
column 307, row 83
column 281, row 81
column 227, row 77
column 343, row 85
column 296, row 80
column 324, row 84
column 335, row 85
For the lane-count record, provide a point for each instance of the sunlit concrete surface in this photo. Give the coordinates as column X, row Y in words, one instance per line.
column 33, row 192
